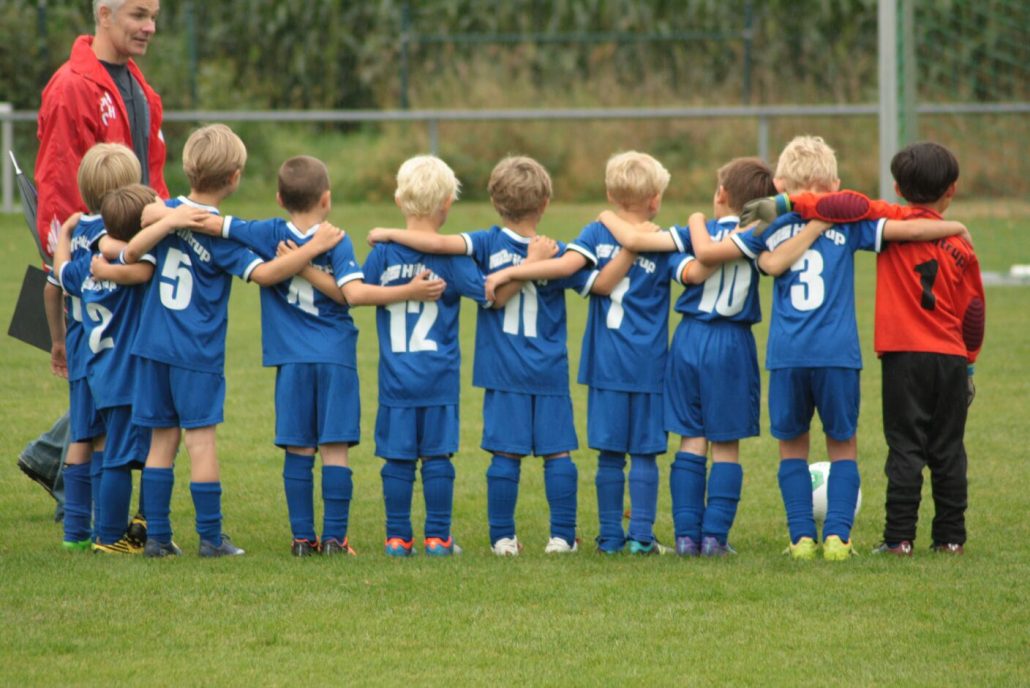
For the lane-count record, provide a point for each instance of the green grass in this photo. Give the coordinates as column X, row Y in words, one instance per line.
column 756, row 619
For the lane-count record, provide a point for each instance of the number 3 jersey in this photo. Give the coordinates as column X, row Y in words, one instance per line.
column 186, row 308
column 300, row 324
column 813, row 308
column 627, row 334
column 419, row 351
column 521, row 347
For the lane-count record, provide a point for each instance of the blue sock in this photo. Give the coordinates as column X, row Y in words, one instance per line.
column 611, row 488
column 561, row 482
column 438, row 490
column 207, row 501
column 724, row 484
column 687, row 487
column 502, row 492
column 77, row 502
column 157, row 484
column 299, row 485
column 398, row 479
column 643, row 497
column 96, row 472
column 841, row 497
column 115, row 495
column 796, row 488
column 337, row 490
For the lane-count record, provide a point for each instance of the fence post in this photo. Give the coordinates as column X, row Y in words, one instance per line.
column 6, row 144
column 763, row 137
column 434, row 136
column 887, row 30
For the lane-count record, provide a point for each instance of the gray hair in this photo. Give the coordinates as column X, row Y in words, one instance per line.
column 113, row 5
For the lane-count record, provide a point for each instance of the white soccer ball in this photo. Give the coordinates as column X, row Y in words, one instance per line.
column 820, row 476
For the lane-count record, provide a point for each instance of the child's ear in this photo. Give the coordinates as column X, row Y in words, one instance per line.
column 326, row 200
column 779, row 184
column 950, row 193
column 279, row 200
column 446, row 207
column 721, row 196
column 897, row 190
column 835, row 186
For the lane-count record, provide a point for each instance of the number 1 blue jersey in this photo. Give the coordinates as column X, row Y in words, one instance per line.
column 111, row 317
column 813, row 321
column 419, row 351
column 186, row 308
column 300, row 324
column 521, row 347
column 730, row 293
column 627, row 334
column 86, row 233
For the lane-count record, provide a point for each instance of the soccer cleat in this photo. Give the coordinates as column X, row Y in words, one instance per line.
column 155, row 549
column 332, row 547
column 686, row 547
column 648, row 548
column 121, row 546
column 136, row 533
column 557, row 545
column 948, row 548
column 396, row 547
column 303, row 548
column 711, row 547
column 835, row 549
column 438, row 547
column 226, row 549
column 802, row 550
column 80, row 546
column 902, row 549
column 507, row 547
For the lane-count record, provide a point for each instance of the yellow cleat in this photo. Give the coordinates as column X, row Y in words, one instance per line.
column 802, row 550
column 835, row 549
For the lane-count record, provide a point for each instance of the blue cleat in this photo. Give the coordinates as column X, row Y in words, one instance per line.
column 711, row 547
column 686, row 547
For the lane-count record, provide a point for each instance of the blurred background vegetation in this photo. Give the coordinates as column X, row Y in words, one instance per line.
column 465, row 54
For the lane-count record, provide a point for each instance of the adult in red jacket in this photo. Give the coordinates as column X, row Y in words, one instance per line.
column 99, row 95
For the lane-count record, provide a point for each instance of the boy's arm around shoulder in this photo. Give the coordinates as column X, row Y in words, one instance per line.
column 182, row 217
column 426, row 242
column 284, row 267
column 421, row 288
column 777, row 262
column 126, row 275
column 708, row 251
column 322, row 281
column 631, row 237
column 539, row 264
column 924, row 230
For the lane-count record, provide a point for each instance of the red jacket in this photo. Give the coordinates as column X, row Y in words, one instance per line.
column 81, row 106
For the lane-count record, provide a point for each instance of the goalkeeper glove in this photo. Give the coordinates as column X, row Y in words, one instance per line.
column 764, row 211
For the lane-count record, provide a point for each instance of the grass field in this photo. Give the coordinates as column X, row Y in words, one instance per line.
column 754, row 619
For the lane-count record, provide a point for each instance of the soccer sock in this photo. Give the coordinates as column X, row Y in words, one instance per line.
column 796, row 488
column 157, row 484
column 611, row 487
column 438, row 490
column 207, row 501
column 115, row 495
column 643, row 497
column 841, row 496
column 299, row 485
column 724, row 485
column 77, row 502
column 398, row 480
column 687, row 487
column 502, row 492
column 96, row 472
column 337, row 489
column 561, row 480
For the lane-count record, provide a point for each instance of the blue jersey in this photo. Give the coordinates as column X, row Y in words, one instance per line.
column 730, row 294
column 186, row 307
column 111, row 317
column 521, row 347
column 813, row 318
column 627, row 333
column 300, row 324
column 86, row 233
column 419, row 352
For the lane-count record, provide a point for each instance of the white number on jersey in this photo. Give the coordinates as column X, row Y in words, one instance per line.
column 76, row 308
column 399, row 342
column 176, row 281
column 523, row 304
column 616, row 311
column 97, row 341
column 302, row 295
column 726, row 289
column 810, row 294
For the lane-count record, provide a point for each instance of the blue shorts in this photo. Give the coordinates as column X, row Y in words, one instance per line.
column 625, row 422
column 127, row 443
column 713, row 388
column 795, row 393
column 86, row 423
column 524, row 424
column 316, row 403
column 166, row 396
column 410, row 432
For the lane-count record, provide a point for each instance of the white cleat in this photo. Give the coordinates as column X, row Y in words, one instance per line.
column 507, row 547
column 557, row 545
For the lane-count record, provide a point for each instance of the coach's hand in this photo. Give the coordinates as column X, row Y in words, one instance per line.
column 763, row 211
column 425, row 287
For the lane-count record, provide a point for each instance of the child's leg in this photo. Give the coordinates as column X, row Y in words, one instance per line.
column 438, row 490
column 611, row 487
column 687, row 488
column 841, row 488
column 115, row 495
column 157, row 481
column 643, row 497
column 561, row 482
column 724, row 485
column 398, row 484
column 947, row 453
column 502, row 493
column 796, row 488
column 337, row 490
column 905, row 403
column 205, row 485
column 299, row 486
column 78, row 494
column 96, row 472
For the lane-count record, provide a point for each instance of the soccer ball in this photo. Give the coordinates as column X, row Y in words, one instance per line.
column 820, row 476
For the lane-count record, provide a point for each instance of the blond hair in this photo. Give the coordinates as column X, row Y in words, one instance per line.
column 424, row 184
column 106, row 167
column 519, row 188
column 807, row 163
column 211, row 156
column 122, row 210
column 302, row 181
column 632, row 178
